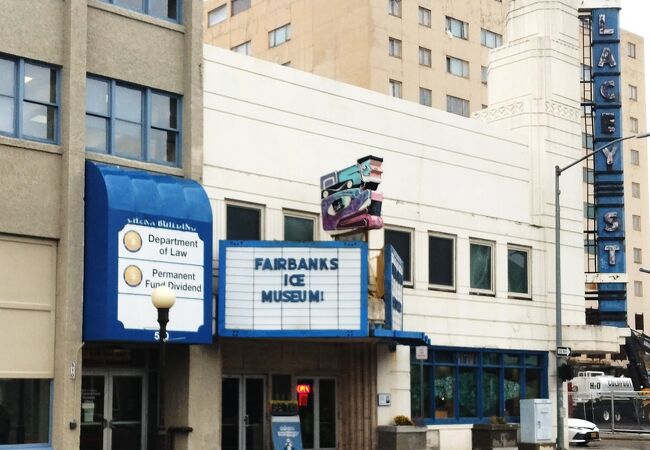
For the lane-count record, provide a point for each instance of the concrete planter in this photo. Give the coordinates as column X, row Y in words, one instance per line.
column 487, row 436
column 402, row 438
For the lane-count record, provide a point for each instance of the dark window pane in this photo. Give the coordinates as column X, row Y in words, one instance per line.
column 230, row 414
column 164, row 111
column 306, row 412
column 7, row 115
column 281, row 387
column 128, row 104
column 131, row 4
column 97, row 96
column 468, row 358
column 40, row 83
column 242, row 223
column 444, row 391
column 7, row 78
column 240, row 5
column 165, row 9
column 327, row 413
column 96, row 133
column 24, row 411
column 298, row 229
column 421, row 392
column 511, row 360
column 401, row 241
column 480, row 257
column 491, row 392
column 467, row 399
column 518, row 271
column 39, row 121
column 533, row 360
column 512, row 392
column 491, row 359
column 162, row 145
column 441, row 261
column 445, row 357
column 128, row 139
column 533, row 383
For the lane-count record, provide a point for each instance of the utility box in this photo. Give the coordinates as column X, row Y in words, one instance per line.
column 536, row 421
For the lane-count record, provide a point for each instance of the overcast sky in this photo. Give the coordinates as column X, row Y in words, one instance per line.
column 635, row 17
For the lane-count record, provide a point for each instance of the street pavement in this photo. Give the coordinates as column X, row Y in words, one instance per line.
column 622, row 441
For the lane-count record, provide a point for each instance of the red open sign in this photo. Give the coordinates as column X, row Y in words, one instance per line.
column 303, row 389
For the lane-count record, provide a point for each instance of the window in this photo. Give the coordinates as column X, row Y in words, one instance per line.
column 424, row 17
column 24, row 411
column 442, row 261
column 238, row 6
column 634, row 157
column 132, row 122
column 484, row 74
column 519, row 271
column 163, row 9
column 395, row 47
column 395, row 88
column 395, row 8
column 457, row 28
column 425, row 96
column 588, row 175
column 29, row 100
column 490, row 39
column 587, row 141
column 463, row 385
column 425, row 57
column 585, row 72
column 634, row 125
column 638, row 257
column 638, row 289
column 458, row 106
column 633, row 92
column 279, row 35
column 481, row 267
column 636, row 190
column 638, row 322
column 636, row 222
column 243, row 223
column 217, row 15
column 589, row 210
column 631, row 50
column 299, row 227
column 457, row 67
column 401, row 242
column 590, row 246
column 243, row 48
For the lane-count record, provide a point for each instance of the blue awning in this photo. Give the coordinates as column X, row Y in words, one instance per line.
column 411, row 338
column 143, row 230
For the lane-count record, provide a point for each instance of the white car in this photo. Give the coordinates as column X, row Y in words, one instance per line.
column 582, row 432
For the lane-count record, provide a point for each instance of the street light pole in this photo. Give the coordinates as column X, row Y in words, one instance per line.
column 558, row 280
column 163, row 298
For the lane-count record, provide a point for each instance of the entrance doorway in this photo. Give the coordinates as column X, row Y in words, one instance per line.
column 242, row 413
column 318, row 413
column 113, row 410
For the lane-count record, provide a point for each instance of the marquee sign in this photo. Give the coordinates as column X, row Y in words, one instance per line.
column 394, row 288
column 144, row 231
column 285, row 289
column 608, row 171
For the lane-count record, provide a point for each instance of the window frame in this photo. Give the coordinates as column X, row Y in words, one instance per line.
column 245, row 205
column 424, row 56
column 411, row 233
column 636, row 222
column 274, row 33
column 146, row 121
column 636, row 190
column 395, row 47
column 422, row 14
column 631, row 50
column 427, row 92
column 146, row 10
column 19, row 100
column 634, row 157
column 464, row 65
column 214, row 10
column 633, row 92
column 498, row 38
column 634, row 124
column 529, row 262
column 454, row 256
column 492, row 245
column 638, row 288
column 637, row 255
column 232, row 9
column 395, row 8
column 50, row 411
column 465, row 27
column 484, row 75
column 464, row 103
column 301, row 215
column 393, row 86
column 248, row 45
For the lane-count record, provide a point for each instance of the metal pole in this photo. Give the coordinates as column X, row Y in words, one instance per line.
column 558, row 313
column 612, row 411
column 163, row 318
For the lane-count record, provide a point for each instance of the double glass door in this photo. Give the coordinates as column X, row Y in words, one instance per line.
column 318, row 413
column 242, row 413
column 113, row 411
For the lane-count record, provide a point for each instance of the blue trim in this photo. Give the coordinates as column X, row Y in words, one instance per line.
column 362, row 331
column 402, row 337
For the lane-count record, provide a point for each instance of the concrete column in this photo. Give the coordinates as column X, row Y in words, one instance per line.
column 192, row 144
column 69, row 295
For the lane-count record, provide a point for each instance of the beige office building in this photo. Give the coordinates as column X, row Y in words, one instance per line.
column 81, row 80
column 432, row 52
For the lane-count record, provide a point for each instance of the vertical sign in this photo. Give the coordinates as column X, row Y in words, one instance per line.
column 393, row 289
column 608, row 173
column 286, row 433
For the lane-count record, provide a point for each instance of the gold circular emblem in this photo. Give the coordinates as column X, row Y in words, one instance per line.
column 133, row 276
column 132, row 241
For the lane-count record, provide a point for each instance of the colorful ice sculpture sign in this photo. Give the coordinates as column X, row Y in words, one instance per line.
column 608, row 172
column 350, row 200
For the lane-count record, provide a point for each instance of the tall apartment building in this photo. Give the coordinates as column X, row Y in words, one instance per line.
column 432, row 52
column 108, row 83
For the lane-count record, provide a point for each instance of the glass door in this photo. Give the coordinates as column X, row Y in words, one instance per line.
column 318, row 413
column 242, row 413
column 113, row 411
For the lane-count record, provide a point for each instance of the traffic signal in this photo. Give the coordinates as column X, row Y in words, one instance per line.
column 565, row 372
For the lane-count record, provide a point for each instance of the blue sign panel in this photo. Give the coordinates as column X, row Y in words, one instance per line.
column 293, row 289
column 393, row 289
column 286, row 433
column 142, row 231
column 608, row 173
